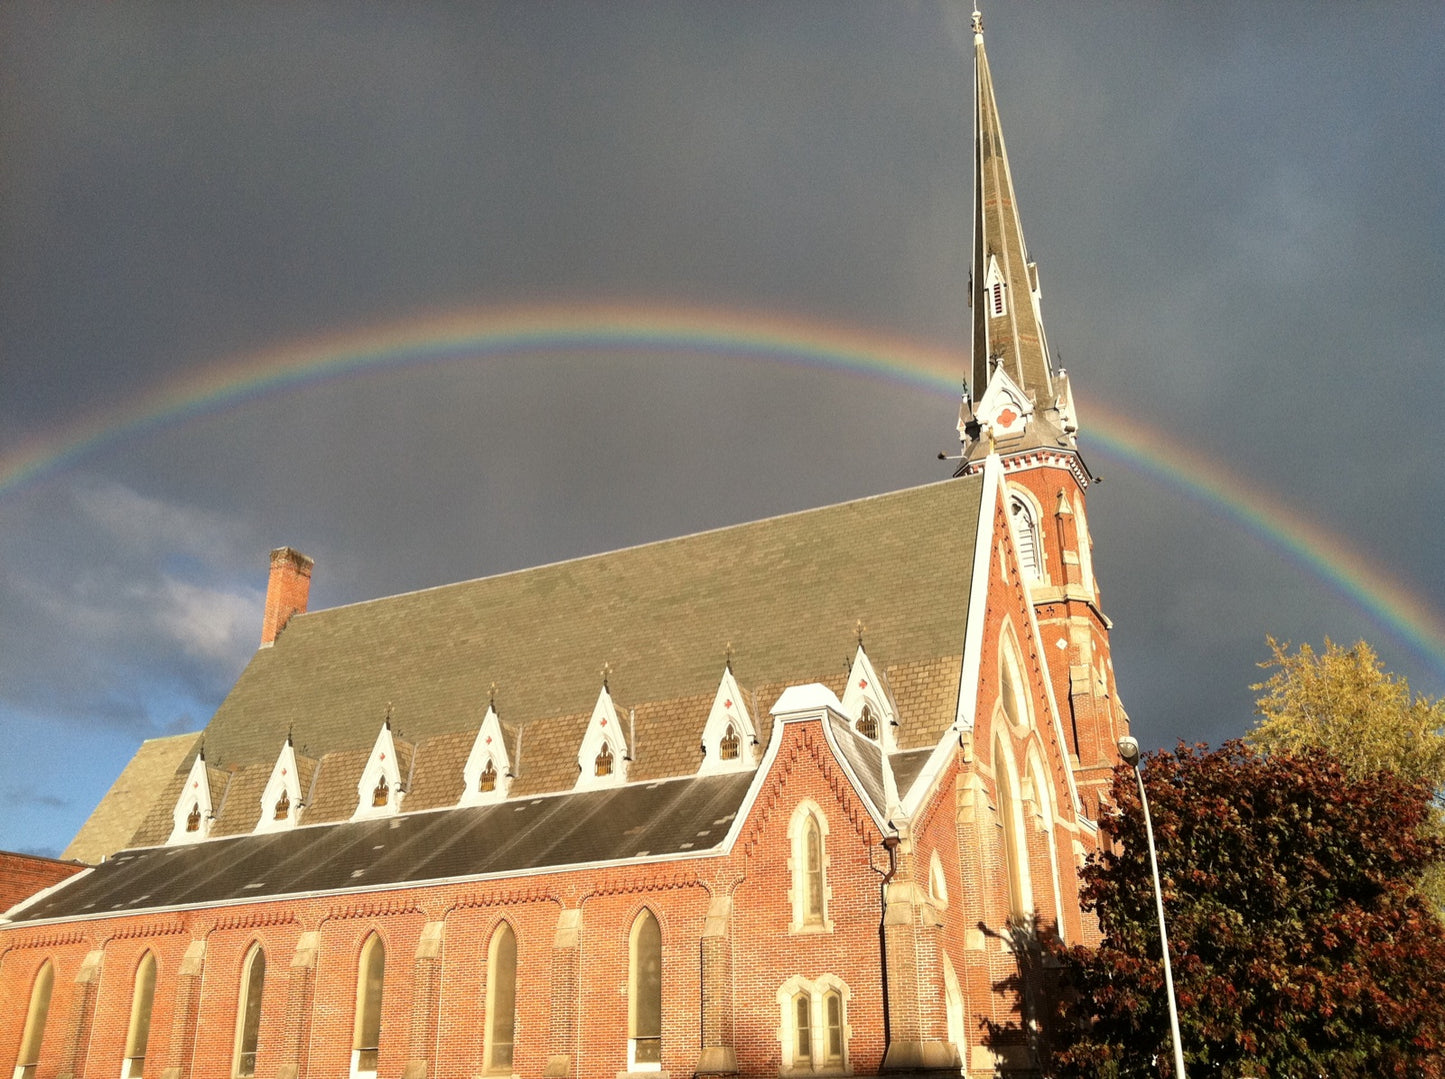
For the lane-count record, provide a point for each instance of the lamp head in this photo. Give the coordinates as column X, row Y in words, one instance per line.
column 1129, row 750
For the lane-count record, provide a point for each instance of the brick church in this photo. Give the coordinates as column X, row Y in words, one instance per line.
column 776, row 799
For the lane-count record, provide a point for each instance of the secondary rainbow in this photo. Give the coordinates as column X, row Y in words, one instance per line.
column 499, row 333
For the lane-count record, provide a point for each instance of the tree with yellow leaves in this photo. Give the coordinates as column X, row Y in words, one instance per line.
column 1344, row 702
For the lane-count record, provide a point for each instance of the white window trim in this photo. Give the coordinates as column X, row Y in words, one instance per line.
column 284, row 780
column 865, row 687
column 381, row 764
column 489, row 1067
column 604, row 728
column 798, row 869
column 1032, row 516
column 195, row 794
column 632, row 1063
column 1015, row 853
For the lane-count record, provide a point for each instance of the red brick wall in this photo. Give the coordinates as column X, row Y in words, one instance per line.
column 22, row 875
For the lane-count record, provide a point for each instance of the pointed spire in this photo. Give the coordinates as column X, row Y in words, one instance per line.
column 1008, row 334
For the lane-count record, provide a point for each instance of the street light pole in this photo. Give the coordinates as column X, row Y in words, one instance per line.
column 1129, row 750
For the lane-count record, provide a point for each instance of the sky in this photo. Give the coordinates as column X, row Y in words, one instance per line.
column 258, row 265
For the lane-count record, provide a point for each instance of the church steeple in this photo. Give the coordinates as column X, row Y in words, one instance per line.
column 1033, row 400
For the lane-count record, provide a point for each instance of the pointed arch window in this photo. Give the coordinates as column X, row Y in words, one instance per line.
column 644, row 994
column 381, row 793
column 993, row 287
column 1026, row 536
column 809, row 862
column 728, row 746
column 248, row 1013
column 813, row 1035
column 139, row 1032
column 1015, row 848
column 283, row 806
column 366, row 1035
column 867, row 724
column 193, row 821
column 501, row 999
column 35, row 1016
column 487, row 781
column 603, row 763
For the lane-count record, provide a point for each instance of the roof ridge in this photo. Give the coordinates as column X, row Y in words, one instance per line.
column 630, row 547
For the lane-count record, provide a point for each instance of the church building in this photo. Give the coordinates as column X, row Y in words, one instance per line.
column 778, row 799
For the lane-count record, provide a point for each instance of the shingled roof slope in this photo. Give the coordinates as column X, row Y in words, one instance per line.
column 785, row 593
column 150, row 772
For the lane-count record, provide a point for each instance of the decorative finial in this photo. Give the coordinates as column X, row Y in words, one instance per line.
column 977, row 23
column 492, row 696
column 289, row 727
column 860, row 627
column 728, row 651
column 387, row 722
column 606, row 674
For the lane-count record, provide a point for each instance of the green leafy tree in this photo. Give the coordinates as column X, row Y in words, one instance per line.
column 1300, row 946
column 1342, row 701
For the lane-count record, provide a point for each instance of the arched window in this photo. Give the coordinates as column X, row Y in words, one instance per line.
column 644, row 995
column 487, row 781
column 248, row 1012
column 193, row 820
column 1043, row 793
column 139, row 1031
column 501, row 999
column 1011, row 683
column 1015, row 849
column 953, row 1003
column 809, row 832
column 803, row 1031
column 603, row 763
column 728, row 746
column 833, row 1019
column 813, row 1036
column 283, row 806
column 381, row 794
column 1026, row 537
column 35, row 1017
column 867, row 724
column 366, row 1037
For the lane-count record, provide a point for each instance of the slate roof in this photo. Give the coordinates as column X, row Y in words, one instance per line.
column 151, row 771
column 785, row 594
column 678, row 817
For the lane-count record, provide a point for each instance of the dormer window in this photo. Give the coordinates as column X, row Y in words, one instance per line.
column 283, row 806
column 193, row 822
column 381, row 793
column 487, row 781
column 727, row 747
column 993, row 287
column 603, row 763
column 867, row 724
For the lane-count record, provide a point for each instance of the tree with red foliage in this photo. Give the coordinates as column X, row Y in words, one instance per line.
column 1300, row 944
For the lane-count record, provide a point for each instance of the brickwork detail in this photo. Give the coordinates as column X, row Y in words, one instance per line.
column 183, row 1019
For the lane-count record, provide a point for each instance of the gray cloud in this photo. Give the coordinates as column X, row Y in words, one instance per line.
column 1239, row 214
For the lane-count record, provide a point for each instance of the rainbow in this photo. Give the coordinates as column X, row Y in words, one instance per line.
column 497, row 333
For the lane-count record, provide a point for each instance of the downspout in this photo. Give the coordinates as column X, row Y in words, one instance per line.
column 890, row 844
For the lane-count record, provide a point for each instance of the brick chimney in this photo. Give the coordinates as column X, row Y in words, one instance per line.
column 286, row 591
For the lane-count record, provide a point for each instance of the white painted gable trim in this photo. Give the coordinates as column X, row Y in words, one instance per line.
column 490, row 746
column 603, row 729
column 965, row 713
column 195, row 798
column 283, row 781
column 381, row 765
column 1004, row 408
column 866, row 688
column 814, row 702
column 729, row 709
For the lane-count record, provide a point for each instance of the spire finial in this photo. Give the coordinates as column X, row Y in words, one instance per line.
column 606, row 674
column 977, row 23
column 492, row 696
column 728, row 651
column 387, row 722
column 860, row 627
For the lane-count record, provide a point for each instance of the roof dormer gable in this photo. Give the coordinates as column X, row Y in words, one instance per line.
column 281, row 801
column 867, row 704
column 1004, row 408
column 487, row 775
column 602, row 758
column 729, row 739
column 193, row 813
column 379, row 791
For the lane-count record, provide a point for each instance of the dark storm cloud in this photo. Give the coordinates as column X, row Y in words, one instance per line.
column 1237, row 211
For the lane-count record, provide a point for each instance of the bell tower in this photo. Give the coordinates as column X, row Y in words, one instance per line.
column 1024, row 412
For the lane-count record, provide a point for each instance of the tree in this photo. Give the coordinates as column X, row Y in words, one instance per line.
column 1300, row 945
column 1344, row 702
